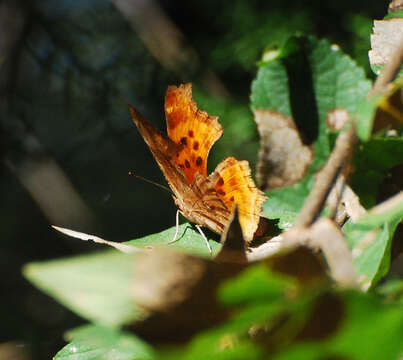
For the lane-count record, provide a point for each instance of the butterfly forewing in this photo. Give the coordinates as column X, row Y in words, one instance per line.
column 194, row 130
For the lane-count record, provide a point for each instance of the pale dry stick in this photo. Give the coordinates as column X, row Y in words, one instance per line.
column 266, row 249
column 334, row 200
column 352, row 204
column 387, row 204
column 347, row 203
column 87, row 237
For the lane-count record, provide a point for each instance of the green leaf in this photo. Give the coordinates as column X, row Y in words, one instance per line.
column 392, row 289
column 270, row 89
column 371, row 253
column 103, row 343
column 365, row 117
column 372, row 161
column 393, row 14
column 96, row 287
column 255, row 284
column 209, row 348
column 377, row 69
column 369, row 330
column 189, row 240
column 370, row 240
column 284, row 204
column 311, row 82
column 252, row 31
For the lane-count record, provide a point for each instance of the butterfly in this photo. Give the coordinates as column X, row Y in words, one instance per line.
column 207, row 201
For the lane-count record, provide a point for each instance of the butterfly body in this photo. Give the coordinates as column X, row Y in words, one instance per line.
column 182, row 156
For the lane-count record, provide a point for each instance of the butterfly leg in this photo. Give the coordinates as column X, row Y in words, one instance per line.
column 205, row 238
column 177, row 228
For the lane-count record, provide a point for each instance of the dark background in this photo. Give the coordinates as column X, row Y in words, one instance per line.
column 69, row 68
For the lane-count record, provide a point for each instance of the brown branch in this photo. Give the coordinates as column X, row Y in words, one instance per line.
column 326, row 177
column 326, row 236
column 343, row 149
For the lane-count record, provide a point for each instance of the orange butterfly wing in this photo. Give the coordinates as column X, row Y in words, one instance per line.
column 207, row 201
column 192, row 129
column 234, row 185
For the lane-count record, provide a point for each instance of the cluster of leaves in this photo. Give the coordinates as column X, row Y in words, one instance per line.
column 269, row 312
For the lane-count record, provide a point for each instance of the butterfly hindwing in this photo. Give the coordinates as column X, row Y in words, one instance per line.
column 234, row 185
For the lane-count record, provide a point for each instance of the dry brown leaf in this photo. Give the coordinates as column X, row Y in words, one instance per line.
column 233, row 244
column 396, row 5
column 283, row 158
column 386, row 38
column 179, row 290
column 337, row 118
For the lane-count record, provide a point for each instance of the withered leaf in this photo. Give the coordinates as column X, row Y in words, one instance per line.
column 337, row 118
column 233, row 245
column 179, row 291
column 283, row 158
column 387, row 36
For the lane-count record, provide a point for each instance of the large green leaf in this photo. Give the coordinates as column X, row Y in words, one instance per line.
column 92, row 342
column 369, row 330
column 96, row 287
column 188, row 240
column 255, row 284
column 284, row 204
column 311, row 82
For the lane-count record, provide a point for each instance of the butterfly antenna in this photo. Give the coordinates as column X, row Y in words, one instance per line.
column 151, row 182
